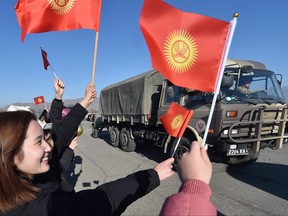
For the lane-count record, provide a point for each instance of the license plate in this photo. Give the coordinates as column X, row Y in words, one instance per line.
column 231, row 152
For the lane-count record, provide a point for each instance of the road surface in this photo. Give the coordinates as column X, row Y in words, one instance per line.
column 259, row 189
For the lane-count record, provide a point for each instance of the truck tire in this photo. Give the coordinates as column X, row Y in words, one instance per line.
column 114, row 136
column 126, row 142
column 94, row 133
column 184, row 146
column 242, row 161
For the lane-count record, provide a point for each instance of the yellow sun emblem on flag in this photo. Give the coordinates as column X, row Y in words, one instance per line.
column 177, row 121
column 180, row 51
column 39, row 100
column 61, row 7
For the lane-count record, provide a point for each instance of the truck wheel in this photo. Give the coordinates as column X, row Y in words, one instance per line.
column 114, row 136
column 242, row 161
column 126, row 143
column 94, row 133
column 184, row 146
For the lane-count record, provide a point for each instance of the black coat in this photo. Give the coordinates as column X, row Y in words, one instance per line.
column 111, row 198
column 62, row 133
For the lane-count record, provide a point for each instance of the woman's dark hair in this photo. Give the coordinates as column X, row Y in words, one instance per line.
column 15, row 187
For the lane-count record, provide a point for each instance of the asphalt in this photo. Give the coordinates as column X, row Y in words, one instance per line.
column 258, row 189
column 97, row 162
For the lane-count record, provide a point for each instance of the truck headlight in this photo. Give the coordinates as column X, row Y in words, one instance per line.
column 234, row 131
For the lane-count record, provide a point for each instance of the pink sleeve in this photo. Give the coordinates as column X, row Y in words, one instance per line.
column 193, row 198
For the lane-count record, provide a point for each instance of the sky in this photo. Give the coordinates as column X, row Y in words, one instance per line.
column 261, row 34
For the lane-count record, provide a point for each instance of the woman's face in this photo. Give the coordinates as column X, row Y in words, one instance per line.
column 33, row 158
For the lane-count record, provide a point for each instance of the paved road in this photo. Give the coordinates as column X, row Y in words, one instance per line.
column 260, row 189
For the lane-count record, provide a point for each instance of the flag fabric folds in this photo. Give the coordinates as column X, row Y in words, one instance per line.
column 36, row 16
column 176, row 119
column 187, row 48
column 39, row 100
column 45, row 59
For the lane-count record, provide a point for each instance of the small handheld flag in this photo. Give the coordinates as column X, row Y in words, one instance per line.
column 45, row 59
column 39, row 100
column 46, row 62
column 176, row 119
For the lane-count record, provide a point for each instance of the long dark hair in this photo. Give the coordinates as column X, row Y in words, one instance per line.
column 16, row 188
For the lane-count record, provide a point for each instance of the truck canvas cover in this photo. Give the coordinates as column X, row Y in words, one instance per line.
column 134, row 96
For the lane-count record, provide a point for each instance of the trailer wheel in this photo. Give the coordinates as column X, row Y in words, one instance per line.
column 126, row 142
column 114, row 136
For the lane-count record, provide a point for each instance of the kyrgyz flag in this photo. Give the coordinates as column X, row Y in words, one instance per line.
column 176, row 119
column 186, row 48
column 45, row 59
column 36, row 16
column 39, row 100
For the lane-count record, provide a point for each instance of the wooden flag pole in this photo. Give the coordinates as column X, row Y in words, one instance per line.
column 94, row 59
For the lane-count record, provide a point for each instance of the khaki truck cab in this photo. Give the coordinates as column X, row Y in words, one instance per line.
column 243, row 123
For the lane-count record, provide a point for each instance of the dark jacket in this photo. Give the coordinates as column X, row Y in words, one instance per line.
column 62, row 133
column 111, row 198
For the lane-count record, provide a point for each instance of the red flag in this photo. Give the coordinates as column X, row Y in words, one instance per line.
column 45, row 59
column 186, row 48
column 176, row 119
column 39, row 100
column 36, row 16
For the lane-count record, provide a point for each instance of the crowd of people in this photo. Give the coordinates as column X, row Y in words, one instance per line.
column 36, row 156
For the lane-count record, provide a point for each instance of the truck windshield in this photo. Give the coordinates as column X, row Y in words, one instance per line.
column 256, row 87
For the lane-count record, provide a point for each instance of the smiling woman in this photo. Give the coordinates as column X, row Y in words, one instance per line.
column 25, row 155
column 33, row 157
column 15, row 185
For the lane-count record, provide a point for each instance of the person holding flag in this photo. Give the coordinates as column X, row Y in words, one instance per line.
column 193, row 198
column 61, row 137
column 26, row 155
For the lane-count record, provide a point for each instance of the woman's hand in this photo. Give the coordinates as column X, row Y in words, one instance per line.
column 164, row 169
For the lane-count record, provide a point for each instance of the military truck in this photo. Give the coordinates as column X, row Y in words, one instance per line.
column 242, row 124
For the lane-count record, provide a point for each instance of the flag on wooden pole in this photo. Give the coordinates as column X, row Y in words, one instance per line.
column 37, row 16
column 187, row 48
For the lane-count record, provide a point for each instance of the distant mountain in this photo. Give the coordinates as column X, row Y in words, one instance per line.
column 93, row 108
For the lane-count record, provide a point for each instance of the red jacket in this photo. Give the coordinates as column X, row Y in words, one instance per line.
column 193, row 198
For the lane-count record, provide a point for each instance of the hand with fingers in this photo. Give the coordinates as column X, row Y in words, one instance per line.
column 164, row 169
column 59, row 88
column 195, row 164
column 90, row 95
